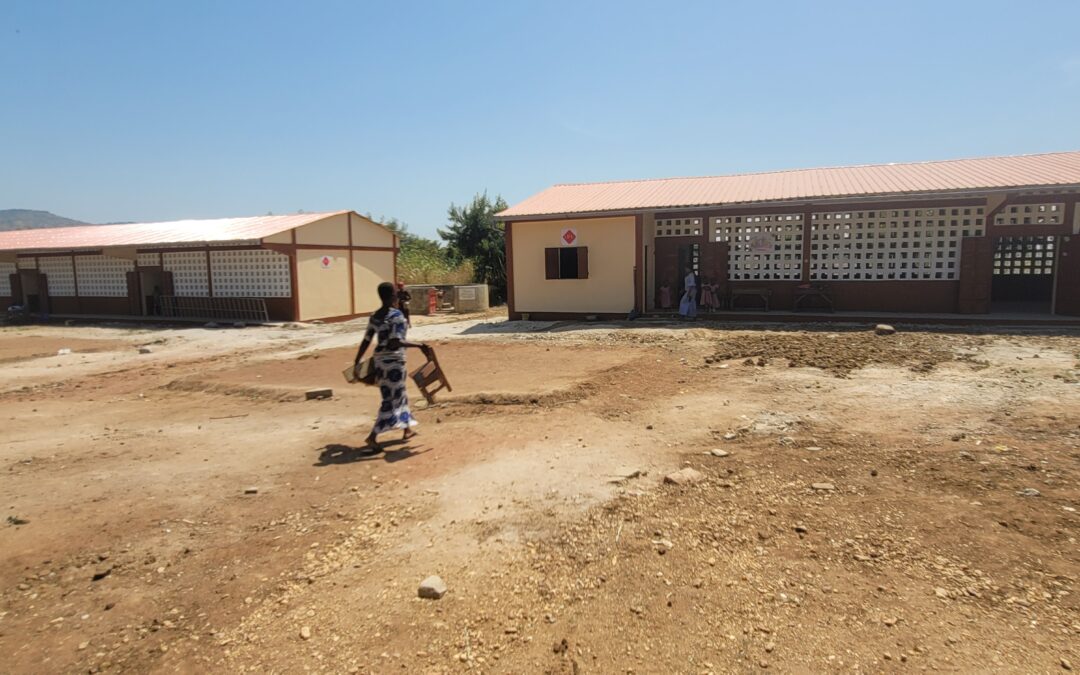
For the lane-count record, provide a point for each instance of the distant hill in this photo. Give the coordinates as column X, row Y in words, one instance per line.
column 25, row 219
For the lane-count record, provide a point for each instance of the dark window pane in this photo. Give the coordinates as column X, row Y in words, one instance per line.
column 568, row 262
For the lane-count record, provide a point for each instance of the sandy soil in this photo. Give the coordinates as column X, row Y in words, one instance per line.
column 881, row 503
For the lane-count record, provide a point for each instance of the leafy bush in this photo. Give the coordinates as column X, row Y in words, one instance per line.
column 474, row 234
column 426, row 261
column 475, row 250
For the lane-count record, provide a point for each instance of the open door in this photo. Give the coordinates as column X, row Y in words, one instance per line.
column 167, row 285
column 16, row 288
column 134, row 294
column 43, row 294
column 713, row 264
column 976, row 275
column 1067, row 293
column 168, row 290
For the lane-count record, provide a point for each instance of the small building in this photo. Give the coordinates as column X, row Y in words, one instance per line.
column 967, row 236
column 280, row 268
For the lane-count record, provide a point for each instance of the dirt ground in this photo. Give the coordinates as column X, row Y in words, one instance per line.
column 864, row 503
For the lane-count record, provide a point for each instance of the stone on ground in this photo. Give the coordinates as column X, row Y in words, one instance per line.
column 685, row 476
column 312, row 394
column 432, row 588
column 823, row 486
column 884, row 329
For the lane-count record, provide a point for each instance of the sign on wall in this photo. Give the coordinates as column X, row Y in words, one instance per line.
column 762, row 242
column 569, row 236
column 325, row 262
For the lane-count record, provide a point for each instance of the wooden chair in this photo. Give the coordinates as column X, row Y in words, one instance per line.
column 429, row 378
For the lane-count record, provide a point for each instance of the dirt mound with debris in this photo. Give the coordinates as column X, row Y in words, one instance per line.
column 842, row 353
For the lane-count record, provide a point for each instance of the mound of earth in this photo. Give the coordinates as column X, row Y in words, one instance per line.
column 842, row 353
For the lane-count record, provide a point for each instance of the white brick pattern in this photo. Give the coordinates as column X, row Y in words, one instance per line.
column 60, row 272
column 765, row 247
column 1030, row 214
column 189, row 273
column 101, row 276
column 26, row 263
column 6, row 269
column 148, row 259
column 678, row 227
column 254, row 273
column 892, row 245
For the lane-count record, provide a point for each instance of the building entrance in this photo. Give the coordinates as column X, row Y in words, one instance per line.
column 1024, row 269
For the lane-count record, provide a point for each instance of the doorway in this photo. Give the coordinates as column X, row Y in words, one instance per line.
column 151, row 286
column 673, row 255
column 31, row 291
column 1024, row 269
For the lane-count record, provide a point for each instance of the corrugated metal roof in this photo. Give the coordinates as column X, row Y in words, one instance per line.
column 155, row 234
column 1054, row 169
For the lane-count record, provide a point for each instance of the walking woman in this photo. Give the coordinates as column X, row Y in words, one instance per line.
column 387, row 327
column 688, row 303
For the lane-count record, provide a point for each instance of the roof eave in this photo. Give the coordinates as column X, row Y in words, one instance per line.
column 846, row 199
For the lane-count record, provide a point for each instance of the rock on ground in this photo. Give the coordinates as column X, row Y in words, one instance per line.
column 432, row 588
column 685, row 476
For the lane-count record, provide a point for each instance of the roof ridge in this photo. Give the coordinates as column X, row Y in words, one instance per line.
column 95, row 226
column 817, row 168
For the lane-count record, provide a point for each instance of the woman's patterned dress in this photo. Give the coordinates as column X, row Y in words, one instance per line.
column 390, row 372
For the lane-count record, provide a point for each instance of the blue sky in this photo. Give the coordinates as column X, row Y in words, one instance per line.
column 116, row 110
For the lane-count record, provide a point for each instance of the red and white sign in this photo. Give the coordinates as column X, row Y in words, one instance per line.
column 569, row 236
column 325, row 262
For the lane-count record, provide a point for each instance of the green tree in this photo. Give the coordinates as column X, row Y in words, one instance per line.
column 474, row 234
column 425, row 261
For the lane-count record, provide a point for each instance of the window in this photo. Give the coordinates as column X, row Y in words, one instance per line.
column 567, row 262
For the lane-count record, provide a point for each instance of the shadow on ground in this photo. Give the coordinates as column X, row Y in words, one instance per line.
column 338, row 453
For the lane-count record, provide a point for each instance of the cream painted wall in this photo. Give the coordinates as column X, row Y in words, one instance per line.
column 279, row 238
column 370, row 268
column 610, row 286
column 323, row 292
column 367, row 232
column 331, row 231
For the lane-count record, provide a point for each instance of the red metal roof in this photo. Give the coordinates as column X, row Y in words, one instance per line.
column 1054, row 169
column 155, row 234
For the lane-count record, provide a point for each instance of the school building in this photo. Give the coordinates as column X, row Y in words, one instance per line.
column 971, row 236
column 268, row 268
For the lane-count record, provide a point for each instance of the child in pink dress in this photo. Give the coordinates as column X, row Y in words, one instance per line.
column 708, row 301
column 665, row 297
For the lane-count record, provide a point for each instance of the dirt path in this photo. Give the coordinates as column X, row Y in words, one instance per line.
column 534, row 491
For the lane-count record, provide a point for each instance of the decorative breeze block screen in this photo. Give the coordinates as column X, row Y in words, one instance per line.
column 190, row 278
column 762, row 247
column 101, row 276
column 250, row 274
column 1030, row 214
column 906, row 244
column 1024, row 255
column 148, row 259
column 6, row 270
column 678, row 227
column 60, row 272
column 26, row 263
